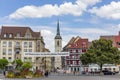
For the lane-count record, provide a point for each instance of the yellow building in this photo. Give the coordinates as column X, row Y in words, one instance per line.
column 16, row 40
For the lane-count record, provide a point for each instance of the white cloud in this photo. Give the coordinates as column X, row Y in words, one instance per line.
column 48, row 37
column 86, row 30
column 111, row 10
column 67, row 33
column 118, row 26
column 48, row 10
column 91, row 2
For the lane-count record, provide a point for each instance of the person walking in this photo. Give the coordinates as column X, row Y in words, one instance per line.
column 46, row 73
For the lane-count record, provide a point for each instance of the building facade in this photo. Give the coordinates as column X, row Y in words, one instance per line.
column 114, row 38
column 16, row 40
column 76, row 46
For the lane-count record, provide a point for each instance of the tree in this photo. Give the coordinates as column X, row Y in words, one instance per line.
column 27, row 65
column 101, row 52
column 3, row 63
column 19, row 63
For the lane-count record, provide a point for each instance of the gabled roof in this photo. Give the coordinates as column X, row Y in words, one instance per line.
column 77, row 43
column 14, row 30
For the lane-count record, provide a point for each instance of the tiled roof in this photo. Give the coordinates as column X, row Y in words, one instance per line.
column 80, row 43
column 14, row 30
column 77, row 43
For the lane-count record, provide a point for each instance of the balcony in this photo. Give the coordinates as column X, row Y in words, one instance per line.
column 73, row 65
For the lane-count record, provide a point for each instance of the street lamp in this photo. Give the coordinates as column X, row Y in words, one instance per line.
column 15, row 64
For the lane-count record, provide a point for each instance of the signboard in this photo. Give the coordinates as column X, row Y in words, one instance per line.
column 45, row 54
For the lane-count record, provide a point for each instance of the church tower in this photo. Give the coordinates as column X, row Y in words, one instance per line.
column 58, row 47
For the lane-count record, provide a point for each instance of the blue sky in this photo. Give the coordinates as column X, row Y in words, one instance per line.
column 84, row 18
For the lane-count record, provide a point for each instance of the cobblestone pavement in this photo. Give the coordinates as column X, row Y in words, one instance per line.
column 71, row 77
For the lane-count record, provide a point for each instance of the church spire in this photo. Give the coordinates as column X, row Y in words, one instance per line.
column 58, row 31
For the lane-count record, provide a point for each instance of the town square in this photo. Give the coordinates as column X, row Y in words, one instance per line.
column 60, row 40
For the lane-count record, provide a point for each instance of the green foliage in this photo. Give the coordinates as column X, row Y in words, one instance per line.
column 24, row 72
column 3, row 63
column 27, row 65
column 19, row 64
column 101, row 52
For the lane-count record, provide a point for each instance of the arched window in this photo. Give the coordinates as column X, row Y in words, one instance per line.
column 5, row 35
column 10, row 35
column 58, row 43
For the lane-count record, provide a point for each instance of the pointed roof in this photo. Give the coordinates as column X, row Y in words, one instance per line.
column 58, row 32
column 77, row 42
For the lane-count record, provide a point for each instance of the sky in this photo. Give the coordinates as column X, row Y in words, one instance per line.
column 85, row 18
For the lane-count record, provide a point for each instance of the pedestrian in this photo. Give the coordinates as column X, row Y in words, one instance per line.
column 74, row 72
column 46, row 73
column 4, row 73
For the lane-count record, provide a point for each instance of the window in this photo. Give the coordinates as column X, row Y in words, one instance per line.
column 80, row 51
column 25, row 59
column 4, row 44
column 83, row 44
column 83, row 50
column 9, row 59
column 30, row 59
column 25, row 44
column 73, row 57
column 18, row 44
column 10, row 44
column 30, row 50
column 18, row 35
column 75, row 69
column 9, row 51
column 71, row 51
column 27, row 35
column 57, row 43
column 25, row 50
column 74, row 62
column 10, row 36
column 38, row 43
column 4, row 51
column 78, row 69
column 76, row 51
column 30, row 44
column 114, row 69
column 71, row 69
column 5, row 35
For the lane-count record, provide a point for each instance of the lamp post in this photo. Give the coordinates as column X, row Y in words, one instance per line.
column 14, row 65
column 45, row 63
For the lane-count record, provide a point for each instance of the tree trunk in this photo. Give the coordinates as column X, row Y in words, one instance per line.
column 101, row 73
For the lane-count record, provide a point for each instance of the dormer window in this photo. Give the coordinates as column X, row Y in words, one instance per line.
column 18, row 35
column 27, row 35
column 5, row 35
column 10, row 36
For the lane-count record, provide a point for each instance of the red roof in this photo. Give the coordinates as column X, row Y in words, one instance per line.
column 77, row 43
column 14, row 30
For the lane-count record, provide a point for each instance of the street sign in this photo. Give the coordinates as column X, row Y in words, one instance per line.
column 45, row 54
